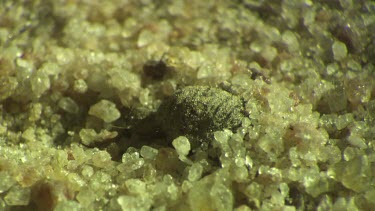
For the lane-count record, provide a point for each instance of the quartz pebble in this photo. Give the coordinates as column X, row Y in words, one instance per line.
column 135, row 186
column 68, row 105
column 6, row 181
column 182, row 145
column 269, row 53
column 291, row 41
column 105, row 110
column 80, row 86
column 90, row 137
column 17, row 196
column 339, row 50
column 68, row 206
column 35, row 112
column 40, row 83
column 133, row 203
column 148, row 152
column 87, row 171
column 86, row 196
column 195, row 172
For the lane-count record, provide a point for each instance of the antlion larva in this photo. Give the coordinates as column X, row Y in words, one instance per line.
column 197, row 111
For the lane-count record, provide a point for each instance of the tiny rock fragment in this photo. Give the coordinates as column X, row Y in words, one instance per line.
column 135, row 186
column 35, row 112
column 339, row 50
column 68, row 205
column 291, row 41
column 80, row 86
column 101, row 159
column 17, row 195
column 89, row 137
column 86, row 196
column 195, row 172
column 29, row 134
column 6, row 181
column 182, row 145
column 269, row 53
column 148, row 152
column 68, row 105
column 134, row 203
column 87, row 171
column 7, row 86
column 105, row 110
column 40, row 83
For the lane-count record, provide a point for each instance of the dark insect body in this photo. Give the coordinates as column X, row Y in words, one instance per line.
column 197, row 111
column 155, row 69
